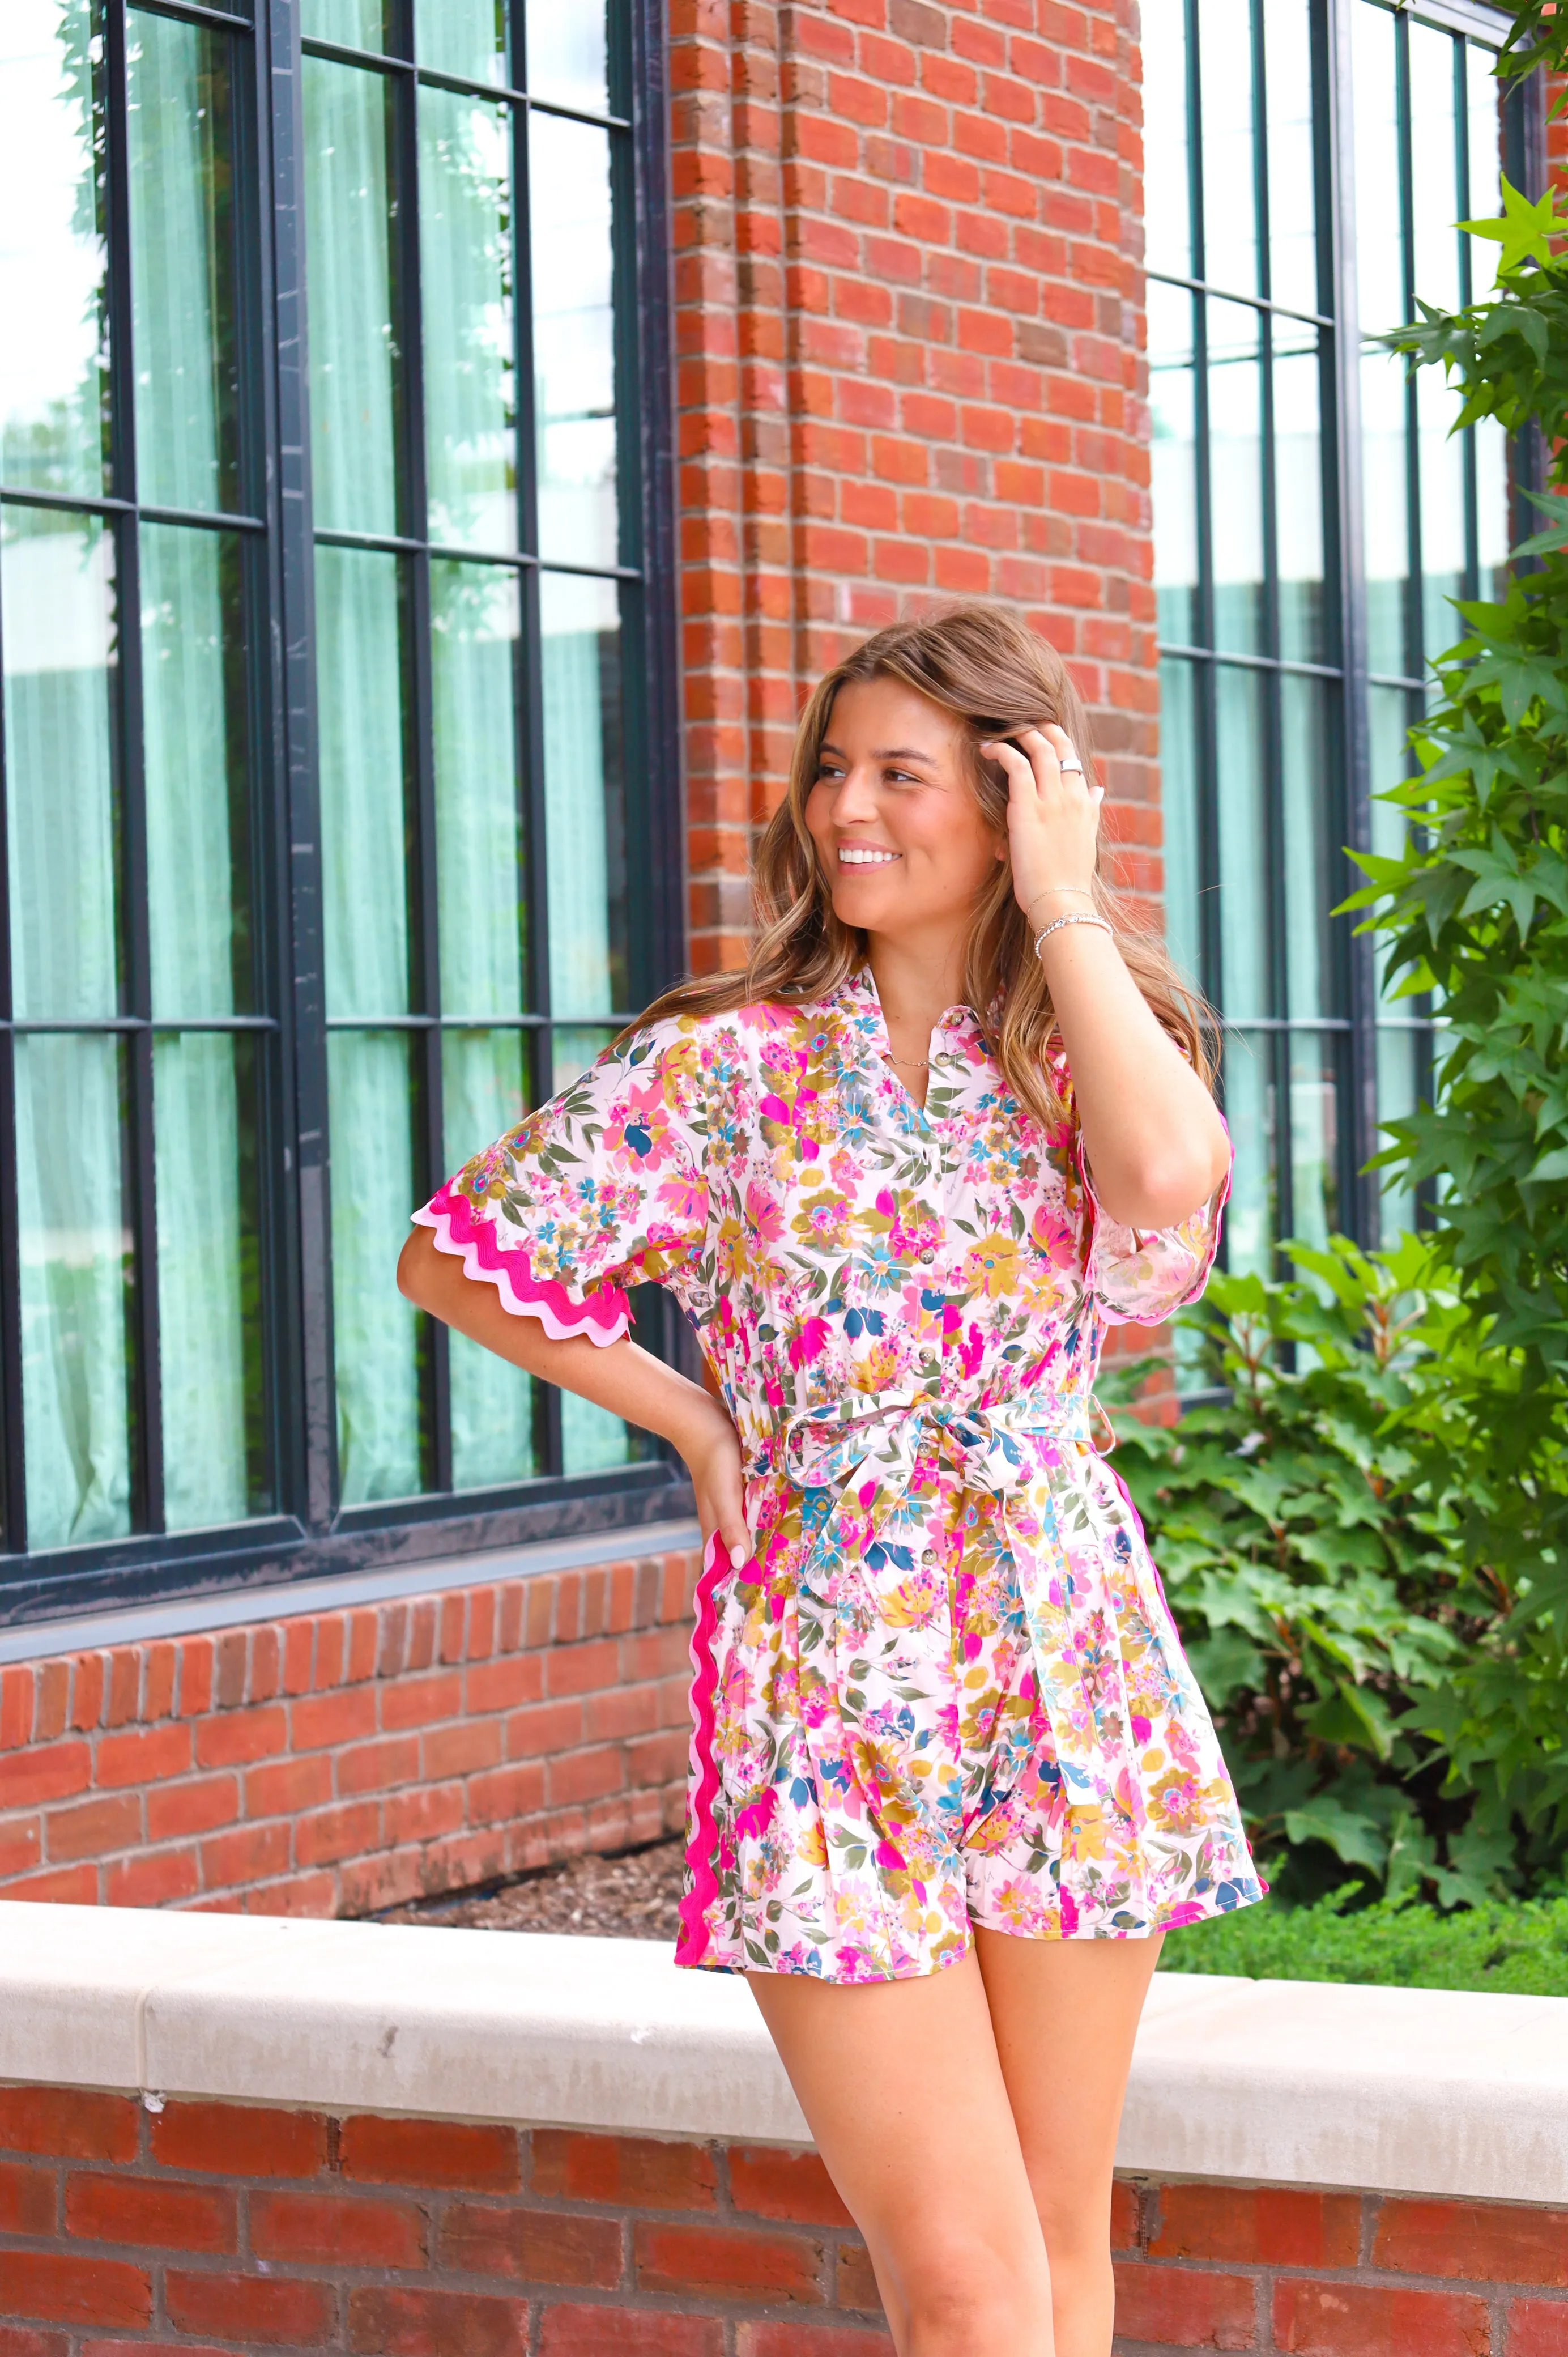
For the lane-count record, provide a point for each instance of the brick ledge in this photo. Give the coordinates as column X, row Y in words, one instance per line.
column 1278, row 2083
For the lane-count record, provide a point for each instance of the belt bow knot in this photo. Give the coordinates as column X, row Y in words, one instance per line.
column 999, row 1448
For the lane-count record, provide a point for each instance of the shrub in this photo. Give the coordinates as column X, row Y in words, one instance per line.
column 1312, row 1562
column 1520, row 1948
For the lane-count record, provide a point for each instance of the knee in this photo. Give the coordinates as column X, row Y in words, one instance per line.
column 1078, row 2243
column 979, row 2306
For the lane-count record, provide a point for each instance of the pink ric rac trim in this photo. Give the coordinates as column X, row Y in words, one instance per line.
column 696, row 1936
column 604, row 1316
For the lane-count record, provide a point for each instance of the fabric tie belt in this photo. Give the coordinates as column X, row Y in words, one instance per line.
column 997, row 1448
column 867, row 1464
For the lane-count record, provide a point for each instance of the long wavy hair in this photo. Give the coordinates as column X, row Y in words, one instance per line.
column 985, row 667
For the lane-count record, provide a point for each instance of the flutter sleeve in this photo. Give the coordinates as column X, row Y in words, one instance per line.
column 1143, row 1275
column 600, row 1189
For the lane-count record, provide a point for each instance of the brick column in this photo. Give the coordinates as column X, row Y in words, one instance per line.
column 909, row 336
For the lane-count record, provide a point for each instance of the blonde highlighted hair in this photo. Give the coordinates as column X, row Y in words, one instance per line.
column 995, row 678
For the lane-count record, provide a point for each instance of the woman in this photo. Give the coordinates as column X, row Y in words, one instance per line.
column 951, row 1777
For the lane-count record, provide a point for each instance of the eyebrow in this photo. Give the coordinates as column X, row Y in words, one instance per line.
column 886, row 752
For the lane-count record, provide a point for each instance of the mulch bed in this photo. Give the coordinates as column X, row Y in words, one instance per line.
column 634, row 1896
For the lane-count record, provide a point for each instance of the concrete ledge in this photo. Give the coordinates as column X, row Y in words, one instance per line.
column 1282, row 2083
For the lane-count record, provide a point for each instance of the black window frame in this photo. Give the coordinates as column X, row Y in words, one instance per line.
column 310, row 1534
column 1343, row 667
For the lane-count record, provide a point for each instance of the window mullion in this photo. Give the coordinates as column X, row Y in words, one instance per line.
column 12, row 1462
column 309, row 1442
column 1335, row 163
column 145, row 1406
column 424, row 936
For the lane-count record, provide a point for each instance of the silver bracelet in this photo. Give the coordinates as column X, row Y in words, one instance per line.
column 1076, row 917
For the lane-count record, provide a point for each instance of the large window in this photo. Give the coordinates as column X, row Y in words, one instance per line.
column 1307, row 161
column 335, row 745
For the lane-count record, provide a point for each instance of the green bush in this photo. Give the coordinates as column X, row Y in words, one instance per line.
column 1312, row 1563
column 1520, row 1948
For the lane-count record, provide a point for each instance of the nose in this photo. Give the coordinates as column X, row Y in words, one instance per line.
column 854, row 801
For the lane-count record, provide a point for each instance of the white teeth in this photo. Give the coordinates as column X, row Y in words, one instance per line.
column 857, row 857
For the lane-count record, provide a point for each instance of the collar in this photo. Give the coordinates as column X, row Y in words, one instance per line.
column 855, row 1000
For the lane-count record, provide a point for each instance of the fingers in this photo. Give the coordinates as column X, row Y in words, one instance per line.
column 1023, row 782
column 725, row 1514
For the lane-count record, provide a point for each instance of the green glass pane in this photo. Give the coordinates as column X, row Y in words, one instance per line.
column 211, row 1319
column 592, row 1439
column 352, row 24
column 1435, row 163
column 1173, row 461
column 476, row 613
column 1298, row 494
column 573, row 341
column 1484, row 127
column 1380, row 252
column 198, row 783
column 1404, row 1052
column 1168, row 159
column 365, row 823
column 1442, row 521
column 76, row 1273
column 54, row 374
column 353, row 344
column 1314, row 1138
column 584, row 794
column 463, row 36
column 1251, row 1217
column 1390, row 713
column 1243, row 855
column 375, row 1332
column 181, row 145
column 470, row 380
column 1313, row 834
column 485, row 1093
column 1492, row 536
column 1179, row 776
column 1236, row 476
column 572, row 1049
column 569, row 54
column 1385, row 443
column 1229, row 209
column 57, row 613
column 1293, row 197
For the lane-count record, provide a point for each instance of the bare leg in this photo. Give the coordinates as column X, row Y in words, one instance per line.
column 904, row 2093
column 1064, row 2014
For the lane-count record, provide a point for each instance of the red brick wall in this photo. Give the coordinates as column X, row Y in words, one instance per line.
column 214, row 2227
column 909, row 342
column 344, row 1761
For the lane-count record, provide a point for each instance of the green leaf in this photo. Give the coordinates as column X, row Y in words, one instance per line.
column 1350, row 1834
column 1523, row 230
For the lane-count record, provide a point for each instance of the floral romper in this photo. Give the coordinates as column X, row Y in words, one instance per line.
column 946, row 1689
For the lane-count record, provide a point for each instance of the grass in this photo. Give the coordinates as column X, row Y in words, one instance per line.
column 1519, row 1949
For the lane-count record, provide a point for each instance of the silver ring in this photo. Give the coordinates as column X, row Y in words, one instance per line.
column 1071, row 769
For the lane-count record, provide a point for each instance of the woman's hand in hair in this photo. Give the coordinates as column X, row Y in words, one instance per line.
column 1053, row 823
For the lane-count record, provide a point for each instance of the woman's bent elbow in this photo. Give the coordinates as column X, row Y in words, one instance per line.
column 416, row 1266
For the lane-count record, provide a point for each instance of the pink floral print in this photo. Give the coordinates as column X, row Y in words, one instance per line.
column 946, row 1689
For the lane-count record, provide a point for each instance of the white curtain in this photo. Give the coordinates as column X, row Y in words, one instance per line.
column 365, row 893
column 57, row 608
column 476, row 616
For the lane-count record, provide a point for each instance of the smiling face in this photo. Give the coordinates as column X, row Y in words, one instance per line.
column 897, row 823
